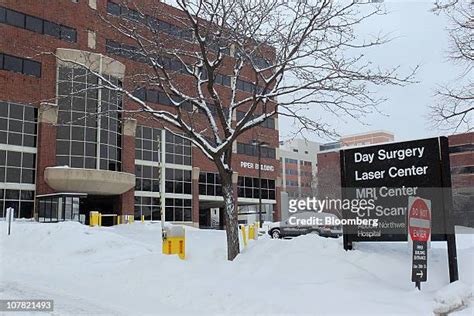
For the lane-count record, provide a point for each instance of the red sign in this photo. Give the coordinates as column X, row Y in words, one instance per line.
column 419, row 219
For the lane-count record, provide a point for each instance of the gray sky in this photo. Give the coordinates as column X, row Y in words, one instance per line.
column 420, row 38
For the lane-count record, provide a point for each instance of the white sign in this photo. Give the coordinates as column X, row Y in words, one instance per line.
column 251, row 165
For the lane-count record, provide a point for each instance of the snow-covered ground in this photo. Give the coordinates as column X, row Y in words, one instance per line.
column 120, row 270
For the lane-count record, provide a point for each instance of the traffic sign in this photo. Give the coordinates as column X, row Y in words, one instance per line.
column 419, row 219
column 419, row 226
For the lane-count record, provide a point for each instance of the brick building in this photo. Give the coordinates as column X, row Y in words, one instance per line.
column 59, row 162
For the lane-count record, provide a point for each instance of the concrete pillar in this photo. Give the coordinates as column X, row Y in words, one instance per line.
column 127, row 199
column 277, row 206
column 195, row 193
column 46, row 155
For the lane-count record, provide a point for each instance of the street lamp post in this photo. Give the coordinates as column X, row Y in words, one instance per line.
column 259, row 153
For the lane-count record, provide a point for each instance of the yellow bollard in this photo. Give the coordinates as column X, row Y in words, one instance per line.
column 256, row 230
column 244, row 235
column 118, row 219
column 143, row 218
column 251, row 232
column 93, row 219
column 174, row 242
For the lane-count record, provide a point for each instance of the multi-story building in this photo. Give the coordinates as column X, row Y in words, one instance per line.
column 298, row 160
column 461, row 157
column 329, row 174
column 60, row 158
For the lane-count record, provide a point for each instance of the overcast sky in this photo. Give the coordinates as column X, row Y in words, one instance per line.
column 420, row 38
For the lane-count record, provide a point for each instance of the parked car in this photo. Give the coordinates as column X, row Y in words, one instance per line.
column 289, row 229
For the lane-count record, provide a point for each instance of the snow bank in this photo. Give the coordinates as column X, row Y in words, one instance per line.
column 452, row 297
column 120, row 270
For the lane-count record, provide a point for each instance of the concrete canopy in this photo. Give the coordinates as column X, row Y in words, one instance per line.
column 91, row 181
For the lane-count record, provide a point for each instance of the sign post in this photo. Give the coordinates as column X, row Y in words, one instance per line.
column 10, row 215
column 419, row 226
column 385, row 177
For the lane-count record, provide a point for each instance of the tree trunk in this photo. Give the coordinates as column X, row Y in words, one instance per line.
column 230, row 216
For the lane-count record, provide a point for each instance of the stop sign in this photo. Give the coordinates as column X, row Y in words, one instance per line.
column 419, row 220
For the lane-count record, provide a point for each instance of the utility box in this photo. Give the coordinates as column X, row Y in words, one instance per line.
column 174, row 239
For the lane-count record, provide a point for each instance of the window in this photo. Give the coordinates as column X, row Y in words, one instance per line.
column 147, row 178
column 2, row 15
column 37, row 25
column 68, row 34
column 178, row 181
column 82, row 131
column 12, row 63
column 177, row 149
column 31, row 68
column 21, row 65
column 178, row 210
column 18, row 124
column 17, row 167
column 210, row 184
column 149, row 207
column 289, row 160
column 147, row 143
column 249, row 187
column 15, row 18
column 34, row 24
column 22, row 201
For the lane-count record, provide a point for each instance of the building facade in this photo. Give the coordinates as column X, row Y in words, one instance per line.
column 62, row 157
column 298, row 160
column 461, row 157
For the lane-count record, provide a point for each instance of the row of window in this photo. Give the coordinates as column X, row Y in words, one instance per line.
column 21, row 65
column 268, row 123
column 38, row 25
column 252, row 150
column 461, row 148
column 159, row 97
column 176, row 180
column 157, row 25
column 291, row 183
column 18, row 124
column 306, row 163
column 463, row 170
column 291, row 172
column 135, row 53
column 21, row 201
column 248, row 187
column 177, row 210
column 290, row 160
column 151, row 22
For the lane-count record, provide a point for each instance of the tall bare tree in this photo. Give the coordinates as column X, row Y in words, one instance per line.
column 288, row 57
column 455, row 101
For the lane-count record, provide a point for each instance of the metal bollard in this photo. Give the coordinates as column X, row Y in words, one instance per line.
column 244, row 235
